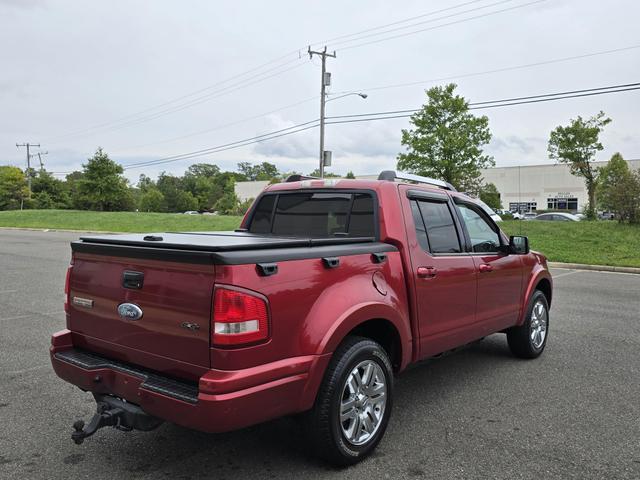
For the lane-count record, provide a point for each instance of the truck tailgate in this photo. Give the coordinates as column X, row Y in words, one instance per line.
column 174, row 299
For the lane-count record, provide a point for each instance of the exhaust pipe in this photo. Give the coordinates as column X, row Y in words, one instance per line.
column 117, row 413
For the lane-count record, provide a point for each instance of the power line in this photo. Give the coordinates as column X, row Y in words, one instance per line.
column 369, row 89
column 495, row 70
column 152, row 113
column 405, row 27
column 225, row 125
column 428, row 14
column 384, row 116
column 196, row 101
column 358, row 45
column 476, row 105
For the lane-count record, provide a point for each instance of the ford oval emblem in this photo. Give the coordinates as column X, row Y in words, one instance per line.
column 129, row 311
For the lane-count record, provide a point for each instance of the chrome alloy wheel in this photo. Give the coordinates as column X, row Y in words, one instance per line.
column 363, row 401
column 539, row 321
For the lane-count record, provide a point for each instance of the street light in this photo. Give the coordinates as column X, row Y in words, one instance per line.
column 361, row 95
column 324, row 155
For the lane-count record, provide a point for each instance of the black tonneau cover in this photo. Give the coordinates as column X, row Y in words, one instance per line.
column 224, row 247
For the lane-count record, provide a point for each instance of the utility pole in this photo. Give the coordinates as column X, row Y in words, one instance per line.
column 40, row 158
column 28, row 145
column 325, row 81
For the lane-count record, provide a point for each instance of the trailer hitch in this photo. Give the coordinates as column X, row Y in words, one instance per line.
column 117, row 413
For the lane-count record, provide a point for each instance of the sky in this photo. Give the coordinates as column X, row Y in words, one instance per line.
column 146, row 80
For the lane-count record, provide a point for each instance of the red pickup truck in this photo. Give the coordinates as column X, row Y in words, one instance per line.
column 328, row 289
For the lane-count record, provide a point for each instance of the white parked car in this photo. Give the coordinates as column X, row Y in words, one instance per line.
column 191, row 212
column 494, row 216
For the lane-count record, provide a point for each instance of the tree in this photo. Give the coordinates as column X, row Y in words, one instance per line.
column 49, row 192
column 349, row 175
column 264, row 171
column 152, row 201
column 490, row 195
column 103, row 186
column 316, row 173
column 13, row 188
column 446, row 141
column 177, row 199
column 610, row 178
column 625, row 199
column 619, row 189
column 576, row 145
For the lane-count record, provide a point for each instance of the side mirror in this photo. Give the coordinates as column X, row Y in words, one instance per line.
column 519, row 245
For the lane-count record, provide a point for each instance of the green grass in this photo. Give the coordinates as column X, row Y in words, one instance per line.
column 116, row 221
column 595, row 243
column 598, row 243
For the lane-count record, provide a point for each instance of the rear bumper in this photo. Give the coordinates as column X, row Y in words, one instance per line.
column 219, row 402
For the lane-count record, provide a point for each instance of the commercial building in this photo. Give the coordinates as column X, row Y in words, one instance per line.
column 525, row 188
column 541, row 187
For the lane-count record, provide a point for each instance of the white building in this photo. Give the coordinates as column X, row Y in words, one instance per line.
column 532, row 187
column 247, row 190
column 541, row 187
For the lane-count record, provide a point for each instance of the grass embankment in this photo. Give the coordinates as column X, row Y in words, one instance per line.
column 596, row 243
column 592, row 243
column 116, row 221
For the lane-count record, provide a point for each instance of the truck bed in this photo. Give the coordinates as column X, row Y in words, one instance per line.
column 225, row 248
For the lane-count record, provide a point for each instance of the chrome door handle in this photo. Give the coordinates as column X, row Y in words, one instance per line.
column 485, row 267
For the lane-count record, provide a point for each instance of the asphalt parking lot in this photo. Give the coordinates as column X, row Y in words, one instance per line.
column 479, row 413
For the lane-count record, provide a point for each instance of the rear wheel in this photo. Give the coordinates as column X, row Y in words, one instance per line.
column 529, row 339
column 353, row 405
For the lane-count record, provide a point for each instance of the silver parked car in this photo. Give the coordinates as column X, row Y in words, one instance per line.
column 557, row 217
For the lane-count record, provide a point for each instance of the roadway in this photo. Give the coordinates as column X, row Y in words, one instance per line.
column 479, row 413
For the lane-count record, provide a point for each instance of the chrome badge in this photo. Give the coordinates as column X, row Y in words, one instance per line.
column 129, row 311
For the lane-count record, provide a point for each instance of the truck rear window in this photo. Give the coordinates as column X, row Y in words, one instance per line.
column 315, row 214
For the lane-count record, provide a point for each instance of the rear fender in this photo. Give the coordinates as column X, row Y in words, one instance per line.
column 325, row 328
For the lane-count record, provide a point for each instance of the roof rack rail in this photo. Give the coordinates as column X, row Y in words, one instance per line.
column 392, row 176
column 297, row 177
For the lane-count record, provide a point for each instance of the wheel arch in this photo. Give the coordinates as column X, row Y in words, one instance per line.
column 544, row 285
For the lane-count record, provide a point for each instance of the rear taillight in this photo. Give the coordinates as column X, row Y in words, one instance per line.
column 67, row 289
column 239, row 317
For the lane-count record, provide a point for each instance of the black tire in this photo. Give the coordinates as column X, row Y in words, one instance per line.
column 519, row 338
column 323, row 425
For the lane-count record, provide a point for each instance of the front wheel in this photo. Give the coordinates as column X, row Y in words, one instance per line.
column 529, row 339
column 353, row 405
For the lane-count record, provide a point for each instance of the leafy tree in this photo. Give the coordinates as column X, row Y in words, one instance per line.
column 576, row 145
column 102, row 185
column 177, row 199
column 619, row 189
column 152, row 201
column 610, row 178
column 626, row 198
column 49, row 192
column 316, row 173
column 13, row 188
column 78, row 201
column 264, row 171
column 145, row 183
column 349, row 175
column 446, row 141
column 490, row 195
column 228, row 202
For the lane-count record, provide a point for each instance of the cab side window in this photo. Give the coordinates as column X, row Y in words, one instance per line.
column 484, row 239
column 435, row 227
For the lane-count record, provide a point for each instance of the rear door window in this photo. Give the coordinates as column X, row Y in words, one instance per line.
column 315, row 215
column 440, row 227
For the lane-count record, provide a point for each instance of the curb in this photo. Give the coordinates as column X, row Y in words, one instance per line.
column 596, row 268
column 31, row 229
